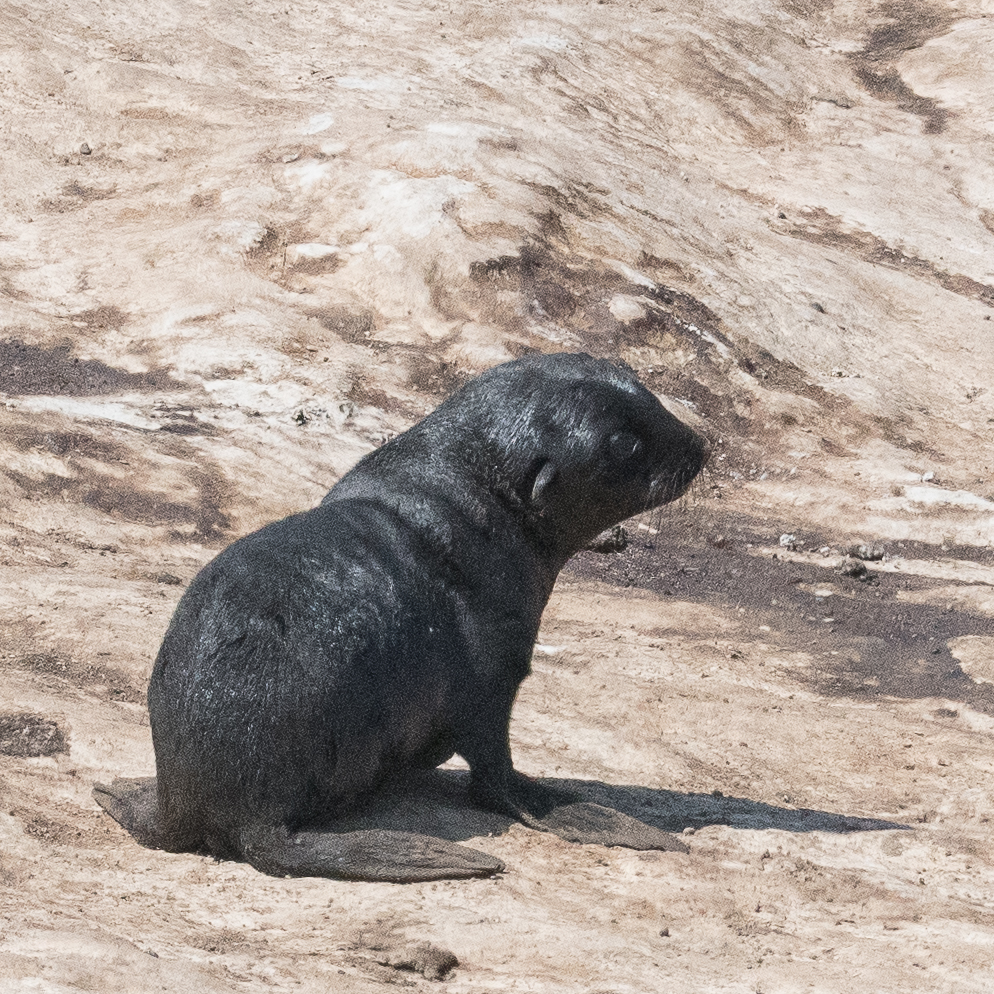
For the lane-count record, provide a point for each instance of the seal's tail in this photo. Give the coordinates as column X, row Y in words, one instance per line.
column 134, row 805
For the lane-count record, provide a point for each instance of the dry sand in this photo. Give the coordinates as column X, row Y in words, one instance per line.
column 243, row 244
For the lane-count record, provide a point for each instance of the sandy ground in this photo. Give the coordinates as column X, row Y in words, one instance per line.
column 243, row 244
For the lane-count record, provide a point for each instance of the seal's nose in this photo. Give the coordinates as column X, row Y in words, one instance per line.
column 691, row 454
column 697, row 453
column 707, row 450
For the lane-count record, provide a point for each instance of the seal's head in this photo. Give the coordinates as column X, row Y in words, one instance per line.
column 579, row 443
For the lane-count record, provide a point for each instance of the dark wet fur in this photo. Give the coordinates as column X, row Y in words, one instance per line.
column 389, row 627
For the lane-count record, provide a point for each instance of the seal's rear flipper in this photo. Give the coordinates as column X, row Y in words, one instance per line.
column 134, row 805
column 368, row 854
column 586, row 822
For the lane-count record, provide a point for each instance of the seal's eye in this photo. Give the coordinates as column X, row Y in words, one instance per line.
column 624, row 446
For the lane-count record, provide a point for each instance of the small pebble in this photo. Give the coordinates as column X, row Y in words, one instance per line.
column 433, row 962
column 867, row 551
column 851, row 567
column 615, row 539
column 84, row 149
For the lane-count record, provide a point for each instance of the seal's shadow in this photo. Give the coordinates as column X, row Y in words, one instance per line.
column 437, row 803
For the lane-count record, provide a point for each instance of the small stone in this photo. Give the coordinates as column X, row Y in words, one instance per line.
column 788, row 541
column 664, row 932
column 84, row 149
column 866, row 551
column 615, row 539
column 433, row 962
column 851, row 567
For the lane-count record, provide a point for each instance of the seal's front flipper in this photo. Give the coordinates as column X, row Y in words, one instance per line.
column 368, row 854
column 134, row 805
column 586, row 822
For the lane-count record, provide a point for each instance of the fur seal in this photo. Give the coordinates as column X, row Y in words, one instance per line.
column 389, row 628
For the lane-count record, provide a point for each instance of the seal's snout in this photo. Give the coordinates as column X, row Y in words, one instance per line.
column 701, row 454
column 689, row 453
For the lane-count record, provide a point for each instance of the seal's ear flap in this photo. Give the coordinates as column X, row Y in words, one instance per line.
column 543, row 480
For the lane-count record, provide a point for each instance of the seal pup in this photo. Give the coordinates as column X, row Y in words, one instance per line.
column 389, row 628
